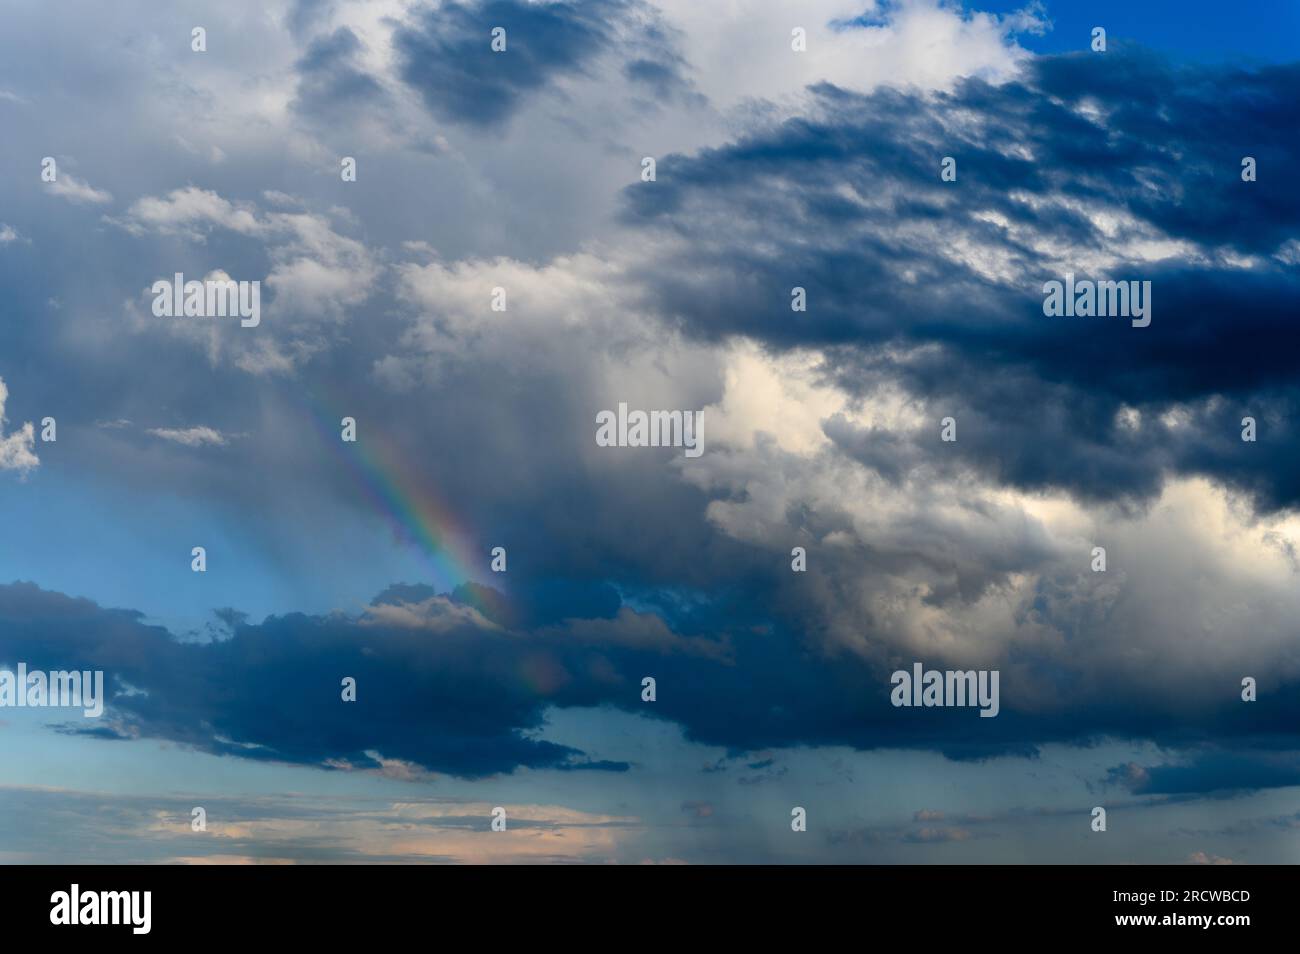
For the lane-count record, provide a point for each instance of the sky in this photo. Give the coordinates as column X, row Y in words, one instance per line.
column 520, row 176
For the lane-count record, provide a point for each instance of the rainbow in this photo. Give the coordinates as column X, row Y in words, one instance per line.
column 405, row 497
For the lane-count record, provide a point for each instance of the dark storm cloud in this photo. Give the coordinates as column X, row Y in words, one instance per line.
column 1211, row 771
column 448, row 692
column 653, row 64
column 847, row 202
column 330, row 77
column 447, row 56
column 459, row 700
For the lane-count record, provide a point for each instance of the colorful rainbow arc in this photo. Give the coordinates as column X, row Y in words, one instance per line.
column 400, row 493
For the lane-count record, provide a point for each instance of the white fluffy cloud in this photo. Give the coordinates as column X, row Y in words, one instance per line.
column 742, row 50
column 16, row 449
column 317, row 274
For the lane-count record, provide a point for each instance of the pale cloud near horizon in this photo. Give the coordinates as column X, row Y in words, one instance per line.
column 306, row 829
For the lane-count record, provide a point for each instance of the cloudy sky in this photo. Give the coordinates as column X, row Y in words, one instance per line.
column 774, row 169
